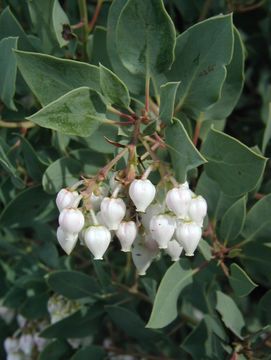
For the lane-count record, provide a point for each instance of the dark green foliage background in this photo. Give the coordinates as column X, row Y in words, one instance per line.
column 217, row 317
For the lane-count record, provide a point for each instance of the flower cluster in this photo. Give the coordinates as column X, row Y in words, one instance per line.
column 25, row 343
column 143, row 221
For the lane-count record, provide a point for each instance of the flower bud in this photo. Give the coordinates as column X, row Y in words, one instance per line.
column 112, row 212
column 188, row 234
column 152, row 210
column 71, row 220
column 11, row 345
column 126, row 233
column 174, row 250
column 178, row 200
column 97, row 196
column 142, row 193
column 66, row 240
column 26, row 344
column 142, row 258
column 162, row 228
column 197, row 209
column 97, row 239
column 65, row 199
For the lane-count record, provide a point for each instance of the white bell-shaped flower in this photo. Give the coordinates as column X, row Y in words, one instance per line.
column 151, row 244
column 188, row 234
column 142, row 193
column 197, row 209
column 11, row 345
column 97, row 196
column 126, row 233
column 97, row 239
column 152, row 210
column 66, row 199
column 178, row 200
column 100, row 218
column 174, row 250
column 162, row 228
column 27, row 343
column 66, row 240
column 142, row 258
column 6, row 314
column 112, row 212
column 71, row 220
column 15, row 356
column 40, row 342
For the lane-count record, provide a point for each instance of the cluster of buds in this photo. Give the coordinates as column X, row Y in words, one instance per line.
column 133, row 214
column 26, row 343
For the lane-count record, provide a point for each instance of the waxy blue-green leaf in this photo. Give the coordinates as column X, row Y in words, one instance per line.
column 10, row 27
column 167, row 101
column 240, row 281
column 233, row 84
column 55, row 350
column 72, row 284
column 184, row 155
column 258, row 221
column 233, row 220
column 234, row 166
column 59, row 18
column 201, row 55
column 79, row 112
column 164, row 311
column 50, row 77
column 267, row 130
column 230, row 314
column 145, row 37
column 135, row 84
column 113, row 89
column 8, row 71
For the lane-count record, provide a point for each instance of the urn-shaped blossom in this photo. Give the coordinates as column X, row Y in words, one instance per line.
column 174, row 250
column 188, row 234
column 197, row 209
column 154, row 209
column 142, row 193
column 97, row 239
column 27, row 343
column 97, row 196
column 67, row 199
column 178, row 200
column 142, row 258
column 66, row 240
column 162, row 228
column 112, row 212
column 71, row 220
column 11, row 345
column 126, row 233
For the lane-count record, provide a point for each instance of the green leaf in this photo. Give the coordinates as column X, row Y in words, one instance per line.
column 218, row 202
column 90, row 352
column 38, row 203
column 164, row 309
column 99, row 53
column 66, row 171
column 267, row 130
column 234, row 166
column 201, row 55
column 184, row 155
column 8, row 71
column 205, row 249
column 167, row 101
column 59, row 19
column 230, row 314
column 258, row 221
column 10, row 27
column 233, row 220
column 233, row 85
column 134, row 83
column 79, row 324
column 240, row 281
column 113, row 89
column 50, row 77
column 145, row 37
column 55, row 350
column 130, row 323
column 79, row 112
column 72, row 284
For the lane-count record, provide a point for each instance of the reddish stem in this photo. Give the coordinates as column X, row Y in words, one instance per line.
column 97, row 10
column 196, row 133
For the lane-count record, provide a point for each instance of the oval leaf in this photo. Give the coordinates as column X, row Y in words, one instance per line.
column 240, row 281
